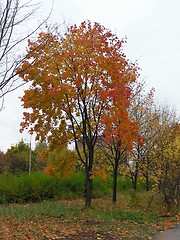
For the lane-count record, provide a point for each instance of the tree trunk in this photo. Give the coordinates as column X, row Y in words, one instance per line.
column 147, row 175
column 88, row 189
column 134, row 181
column 88, row 181
column 115, row 176
column 115, row 183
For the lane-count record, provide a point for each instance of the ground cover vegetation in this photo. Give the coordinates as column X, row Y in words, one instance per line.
column 68, row 219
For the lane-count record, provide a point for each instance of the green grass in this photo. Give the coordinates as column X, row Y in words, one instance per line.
column 74, row 210
column 53, row 219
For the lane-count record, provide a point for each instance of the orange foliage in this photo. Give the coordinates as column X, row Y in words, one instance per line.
column 60, row 162
column 86, row 65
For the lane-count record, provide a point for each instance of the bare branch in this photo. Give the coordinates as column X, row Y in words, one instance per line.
column 13, row 15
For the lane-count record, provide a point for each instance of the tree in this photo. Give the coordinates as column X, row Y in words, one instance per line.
column 13, row 15
column 166, row 155
column 3, row 162
column 142, row 111
column 116, row 144
column 18, row 158
column 79, row 83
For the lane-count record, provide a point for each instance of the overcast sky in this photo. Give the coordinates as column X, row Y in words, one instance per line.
column 152, row 28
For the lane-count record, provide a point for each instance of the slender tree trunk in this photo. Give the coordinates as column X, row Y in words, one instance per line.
column 147, row 175
column 134, row 185
column 134, row 182
column 88, row 190
column 134, row 178
column 88, row 181
column 136, row 170
column 115, row 183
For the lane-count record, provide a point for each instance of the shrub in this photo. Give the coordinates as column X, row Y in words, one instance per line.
column 38, row 187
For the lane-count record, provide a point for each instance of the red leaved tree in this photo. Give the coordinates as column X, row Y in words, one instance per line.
column 119, row 136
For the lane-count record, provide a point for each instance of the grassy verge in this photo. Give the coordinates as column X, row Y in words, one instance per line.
column 68, row 219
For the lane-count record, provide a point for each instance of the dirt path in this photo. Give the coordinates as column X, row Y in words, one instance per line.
column 171, row 234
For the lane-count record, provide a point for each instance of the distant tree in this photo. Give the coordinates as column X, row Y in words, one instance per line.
column 165, row 157
column 3, row 162
column 142, row 111
column 18, row 158
column 79, row 84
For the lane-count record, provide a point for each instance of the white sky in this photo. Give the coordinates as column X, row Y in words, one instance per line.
column 152, row 28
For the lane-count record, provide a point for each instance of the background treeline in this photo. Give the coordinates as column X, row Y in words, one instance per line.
column 16, row 158
column 154, row 163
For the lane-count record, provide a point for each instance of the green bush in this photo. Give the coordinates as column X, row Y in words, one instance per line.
column 24, row 187
column 101, row 187
column 38, row 187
